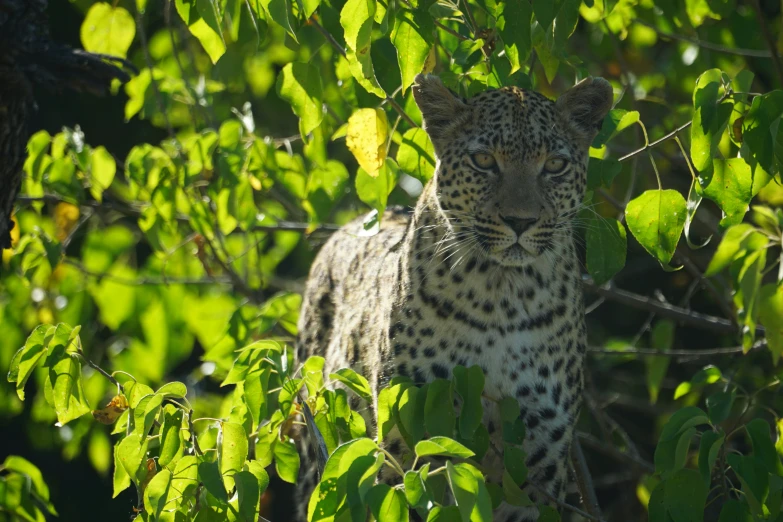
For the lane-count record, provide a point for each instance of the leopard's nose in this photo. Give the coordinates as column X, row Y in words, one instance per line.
column 517, row 224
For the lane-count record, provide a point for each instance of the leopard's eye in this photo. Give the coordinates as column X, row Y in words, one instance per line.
column 555, row 165
column 483, row 160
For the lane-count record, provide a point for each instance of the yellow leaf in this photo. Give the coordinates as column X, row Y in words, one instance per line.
column 112, row 411
column 65, row 217
column 368, row 130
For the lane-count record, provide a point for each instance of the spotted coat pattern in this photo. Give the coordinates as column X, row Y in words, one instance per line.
column 483, row 272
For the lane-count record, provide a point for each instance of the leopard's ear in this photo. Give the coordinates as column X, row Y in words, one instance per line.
column 443, row 111
column 583, row 107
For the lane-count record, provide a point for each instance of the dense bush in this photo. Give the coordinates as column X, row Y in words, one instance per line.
column 183, row 257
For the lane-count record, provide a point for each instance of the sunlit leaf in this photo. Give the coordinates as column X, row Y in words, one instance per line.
column 656, row 219
column 108, row 30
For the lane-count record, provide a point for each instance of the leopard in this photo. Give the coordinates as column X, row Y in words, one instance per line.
column 484, row 271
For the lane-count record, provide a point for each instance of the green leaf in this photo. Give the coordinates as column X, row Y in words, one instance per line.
column 662, row 339
column 415, row 490
column 286, row 460
column 709, row 446
column 470, row 492
column 325, row 187
column 760, row 145
column 514, row 461
column 102, row 169
column 754, row 478
column 108, row 30
column 27, row 358
column 606, row 247
column 120, row 478
column 545, row 11
column 615, row 122
column 683, row 419
column 387, row 401
column 313, row 373
column 734, row 244
column 248, row 495
column 357, row 383
column 374, row 191
column 763, row 448
column 185, row 478
column 171, row 442
column 387, row 503
column 444, row 514
column 357, row 17
column 770, row 309
column 33, row 474
column 145, row 411
column 412, row 37
column 601, row 172
column 279, row 11
column 131, row 452
column 203, row 18
column 156, row 494
column 361, row 477
column 513, row 20
column 175, row 390
column 682, row 497
column 469, row 385
column 416, row 155
column 443, row 446
column 735, row 511
column 410, row 413
column 232, row 450
column 439, row 417
column 512, row 492
column 67, row 392
column 673, row 445
column 300, row 85
column 719, row 405
column 656, row 219
column 729, row 185
column 709, row 120
column 209, row 475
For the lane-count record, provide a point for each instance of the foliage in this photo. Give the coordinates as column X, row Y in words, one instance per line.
column 178, row 258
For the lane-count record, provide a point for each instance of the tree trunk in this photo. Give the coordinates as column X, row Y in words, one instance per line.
column 29, row 59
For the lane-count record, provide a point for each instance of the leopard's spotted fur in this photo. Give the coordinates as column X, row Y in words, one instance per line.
column 484, row 271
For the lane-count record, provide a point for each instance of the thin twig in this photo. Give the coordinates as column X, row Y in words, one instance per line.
column 562, row 504
column 773, row 48
column 143, row 281
column 595, row 444
column 711, row 352
column 656, row 142
column 584, row 481
column 670, row 311
column 100, row 370
column 757, row 53
column 452, row 32
column 136, row 210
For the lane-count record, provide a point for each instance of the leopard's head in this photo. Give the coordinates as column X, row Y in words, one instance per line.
column 512, row 164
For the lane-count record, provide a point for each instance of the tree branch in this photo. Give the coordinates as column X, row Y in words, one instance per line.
column 773, row 48
column 136, row 211
column 757, row 53
column 670, row 311
column 595, row 444
column 711, row 352
column 562, row 504
column 583, row 480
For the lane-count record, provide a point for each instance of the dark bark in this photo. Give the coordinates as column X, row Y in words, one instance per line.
column 30, row 59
